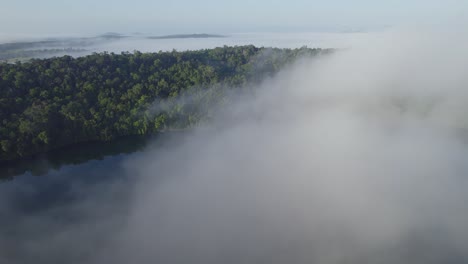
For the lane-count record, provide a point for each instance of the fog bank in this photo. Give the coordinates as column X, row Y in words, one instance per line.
column 357, row 157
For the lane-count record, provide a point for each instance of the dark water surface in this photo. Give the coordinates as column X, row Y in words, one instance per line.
column 43, row 164
column 47, row 200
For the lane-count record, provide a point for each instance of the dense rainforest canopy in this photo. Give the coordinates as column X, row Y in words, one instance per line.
column 51, row 103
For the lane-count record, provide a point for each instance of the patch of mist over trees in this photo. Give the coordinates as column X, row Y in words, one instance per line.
column 24, row 55
column 51, row 103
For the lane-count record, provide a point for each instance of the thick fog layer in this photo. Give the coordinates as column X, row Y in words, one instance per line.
column 356, row 157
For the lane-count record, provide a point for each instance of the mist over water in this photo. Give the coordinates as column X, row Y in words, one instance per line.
column 356, row 157
column 130, row 43
column 280, row 40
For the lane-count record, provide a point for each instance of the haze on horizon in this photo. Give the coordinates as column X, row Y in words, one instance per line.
column 65, row 17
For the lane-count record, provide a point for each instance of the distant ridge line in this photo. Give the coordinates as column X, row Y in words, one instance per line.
column 185, row 36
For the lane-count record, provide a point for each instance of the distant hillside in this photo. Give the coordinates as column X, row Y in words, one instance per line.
column 28, row 54
column 112, row 35
column 186, row 36
column 25, row 50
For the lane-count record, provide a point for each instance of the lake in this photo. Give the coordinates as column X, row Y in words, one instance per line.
column 42, row 199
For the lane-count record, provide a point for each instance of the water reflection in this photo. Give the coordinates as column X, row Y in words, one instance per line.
column 85, row 193
column 83, row 190
column 42, row 164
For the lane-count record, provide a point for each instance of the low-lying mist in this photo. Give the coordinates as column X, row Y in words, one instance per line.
column 13, row 48
column 356, row 157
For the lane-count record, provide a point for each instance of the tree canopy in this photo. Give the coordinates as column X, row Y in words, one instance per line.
column 51, row 103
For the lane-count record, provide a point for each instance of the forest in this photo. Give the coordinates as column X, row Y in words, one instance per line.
column 51, row 103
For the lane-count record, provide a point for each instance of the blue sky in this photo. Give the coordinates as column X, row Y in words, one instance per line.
column 183, row 16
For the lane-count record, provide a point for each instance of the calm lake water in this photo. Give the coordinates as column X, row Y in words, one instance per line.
column 41, row 199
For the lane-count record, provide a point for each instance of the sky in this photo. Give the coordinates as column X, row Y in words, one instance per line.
column 68, row 17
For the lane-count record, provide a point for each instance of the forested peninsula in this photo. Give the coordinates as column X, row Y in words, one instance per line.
column 52, row 103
